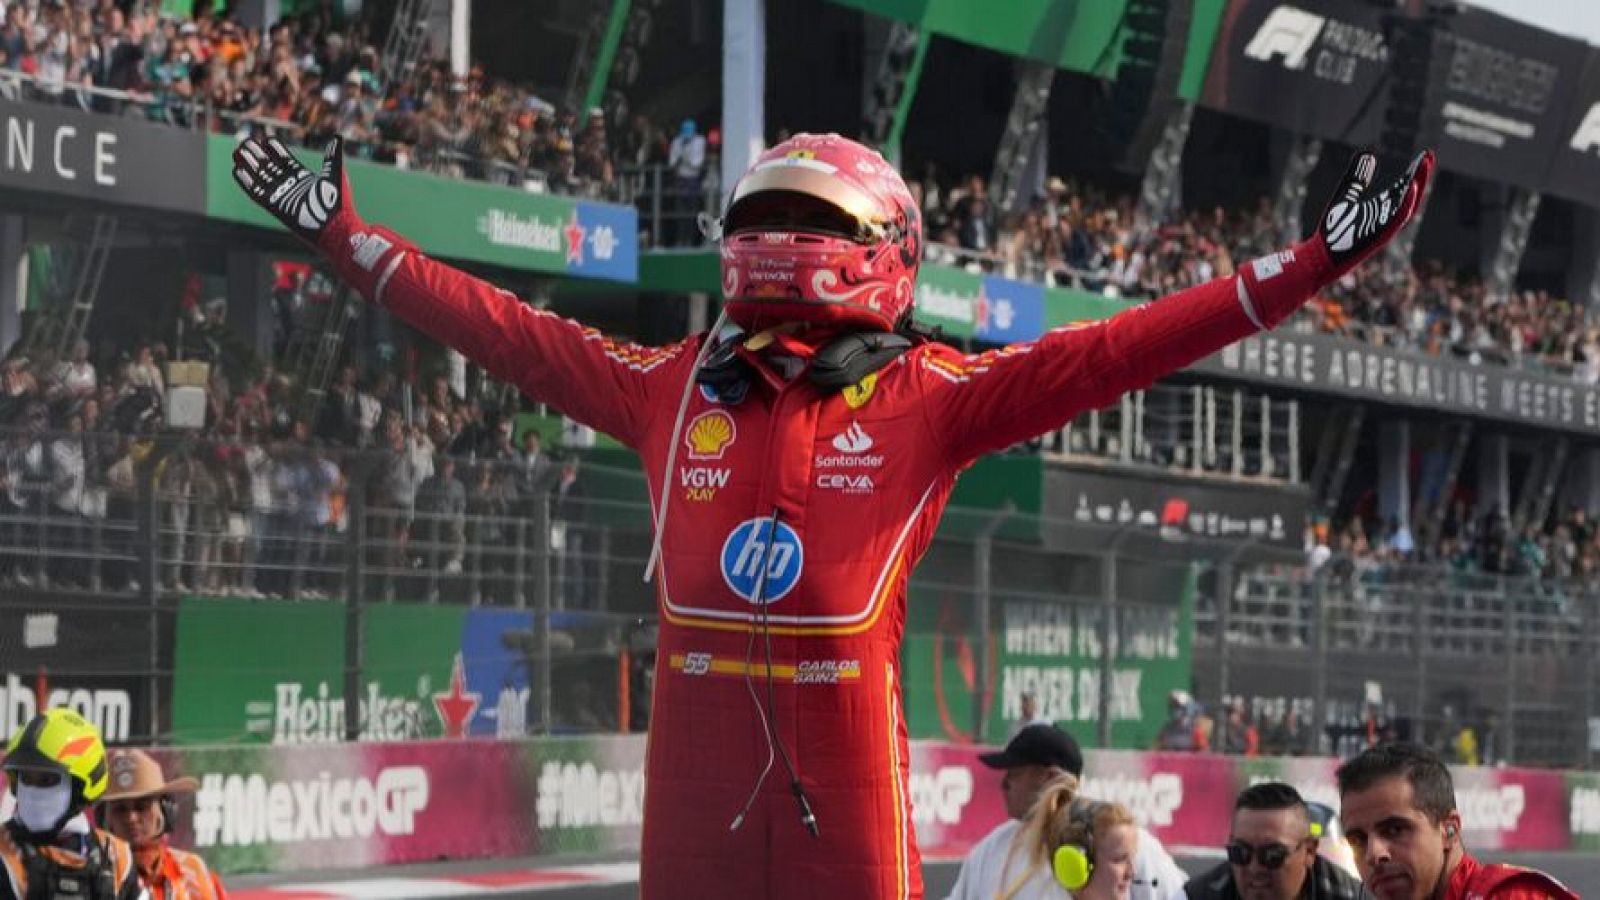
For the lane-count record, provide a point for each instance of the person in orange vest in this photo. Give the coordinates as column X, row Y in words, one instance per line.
column 55, row 767
column 141, row 809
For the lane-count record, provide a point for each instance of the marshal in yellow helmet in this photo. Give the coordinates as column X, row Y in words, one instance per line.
column 59, row 740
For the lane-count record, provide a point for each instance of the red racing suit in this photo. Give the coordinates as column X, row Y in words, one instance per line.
column 858, row 480
column 1473, row 880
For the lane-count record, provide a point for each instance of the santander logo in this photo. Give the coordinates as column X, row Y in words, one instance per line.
column 852, row 440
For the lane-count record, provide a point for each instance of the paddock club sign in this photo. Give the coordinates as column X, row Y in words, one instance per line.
column 1336, row 366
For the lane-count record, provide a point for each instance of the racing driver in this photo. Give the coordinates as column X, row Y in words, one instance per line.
column 798, row 457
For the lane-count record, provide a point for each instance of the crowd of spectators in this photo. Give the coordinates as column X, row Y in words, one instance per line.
column 1278, row 726
column 259, row 500
column 1565, row 550
column 1080, row 236
column 308, row 78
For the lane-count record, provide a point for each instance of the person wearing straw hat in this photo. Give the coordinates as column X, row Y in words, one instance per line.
column 141, row 808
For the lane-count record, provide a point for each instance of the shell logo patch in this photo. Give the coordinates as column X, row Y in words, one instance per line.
column 710, row 435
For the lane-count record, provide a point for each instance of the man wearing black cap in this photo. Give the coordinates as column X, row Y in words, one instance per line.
column 1036, row 756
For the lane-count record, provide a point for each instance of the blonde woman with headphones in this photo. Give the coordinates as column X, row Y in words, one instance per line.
column 1071, row 847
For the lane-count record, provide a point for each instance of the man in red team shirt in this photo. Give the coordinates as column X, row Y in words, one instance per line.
column 798, row 461
column 1398, row 809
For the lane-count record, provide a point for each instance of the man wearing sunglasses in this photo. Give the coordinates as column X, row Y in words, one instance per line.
column 1272, row 854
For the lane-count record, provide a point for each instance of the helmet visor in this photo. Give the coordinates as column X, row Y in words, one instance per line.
column 792, row 198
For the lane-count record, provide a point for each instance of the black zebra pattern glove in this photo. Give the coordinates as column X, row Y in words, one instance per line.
column 299, row 198
column 1359, row 220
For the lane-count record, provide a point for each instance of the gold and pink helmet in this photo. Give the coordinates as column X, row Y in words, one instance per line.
column 823, row 230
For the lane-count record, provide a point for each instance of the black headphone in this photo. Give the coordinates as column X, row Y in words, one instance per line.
column 840, row 363
column 169, row 812
column 1073, row 864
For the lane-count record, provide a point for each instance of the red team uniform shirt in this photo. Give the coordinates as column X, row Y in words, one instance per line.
column 858, row 480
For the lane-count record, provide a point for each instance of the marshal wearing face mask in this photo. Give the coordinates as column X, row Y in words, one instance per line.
column 55, row 767
column 798, row 462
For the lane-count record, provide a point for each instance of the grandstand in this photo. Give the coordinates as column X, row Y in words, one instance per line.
column 1379, row 520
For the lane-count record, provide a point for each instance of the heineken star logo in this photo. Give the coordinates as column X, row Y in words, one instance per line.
column 457, row 706
column 575, row 234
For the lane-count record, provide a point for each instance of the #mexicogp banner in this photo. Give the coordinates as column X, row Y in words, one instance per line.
column 453, row 218
column 353, row 805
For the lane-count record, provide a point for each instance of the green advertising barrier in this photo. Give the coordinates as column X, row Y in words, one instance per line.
column 410, row 651
column 463, row 220
column 271, row 672
column 1048, row 647
column 948, row 298
column 1063, row 306
column 257, row 672
column 1079, row 35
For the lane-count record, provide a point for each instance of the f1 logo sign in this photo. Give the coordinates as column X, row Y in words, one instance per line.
column 1288, row 31
column 1587, row 137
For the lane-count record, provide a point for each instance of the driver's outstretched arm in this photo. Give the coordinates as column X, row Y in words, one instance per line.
column 609, row 385
column 990, row 401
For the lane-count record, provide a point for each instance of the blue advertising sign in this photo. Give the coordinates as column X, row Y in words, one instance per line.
column 1009, row 311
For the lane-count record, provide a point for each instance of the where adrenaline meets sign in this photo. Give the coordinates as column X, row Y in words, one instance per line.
column 1326, row 364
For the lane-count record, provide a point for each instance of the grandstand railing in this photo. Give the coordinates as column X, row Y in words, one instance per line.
column 1194, row 429
column 669, row 207
column 1433, row 647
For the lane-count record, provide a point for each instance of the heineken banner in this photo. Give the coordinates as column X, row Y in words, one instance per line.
column 947, row 298
column 258, row 672
column 64, row 150
column 1583, row 806
column 80, row 653
column 454, row 218
column 985, row 307
column 428, row 671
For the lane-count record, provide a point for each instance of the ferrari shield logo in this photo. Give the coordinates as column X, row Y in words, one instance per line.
column 857, row 395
